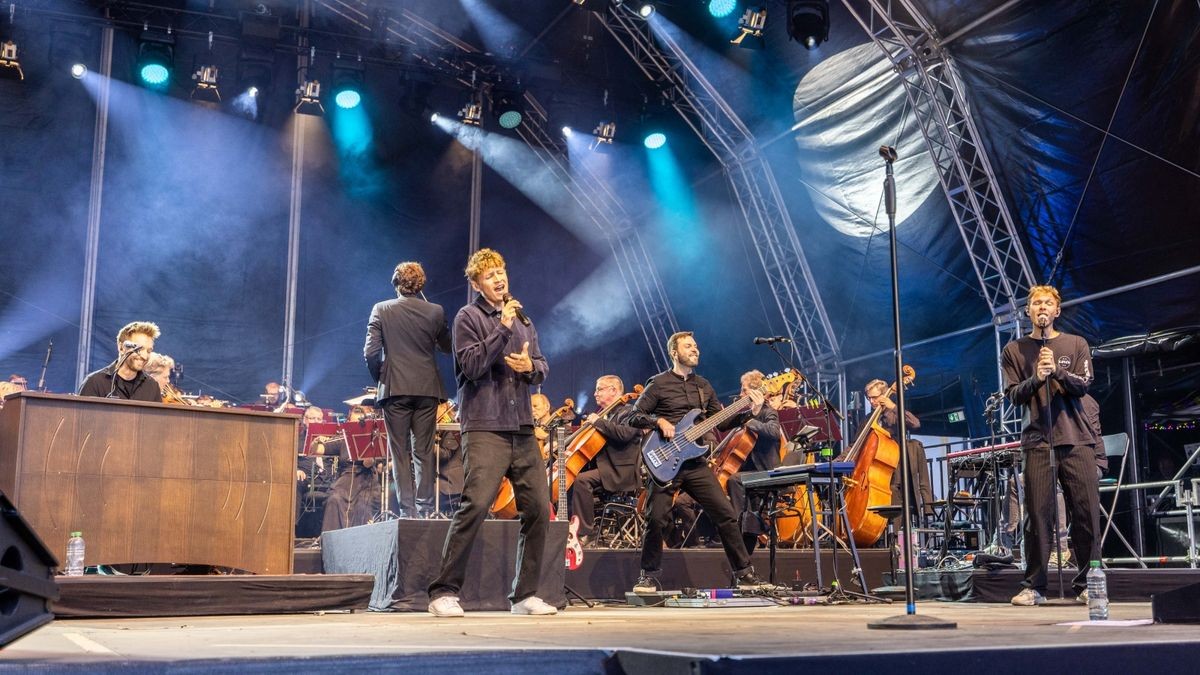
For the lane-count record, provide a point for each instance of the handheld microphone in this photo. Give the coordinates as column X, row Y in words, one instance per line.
column 771, row 340
column 131, row 346
column 520, row 315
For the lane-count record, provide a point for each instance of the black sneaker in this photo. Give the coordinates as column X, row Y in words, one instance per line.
column 749, row 581
column 646, row 583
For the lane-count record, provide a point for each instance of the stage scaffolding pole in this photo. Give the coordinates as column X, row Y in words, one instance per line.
column 295, row 210
column 87, row 305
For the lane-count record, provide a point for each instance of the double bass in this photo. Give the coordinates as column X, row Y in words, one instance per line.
column 505, row 504
column 586, row 443
column 875, row 455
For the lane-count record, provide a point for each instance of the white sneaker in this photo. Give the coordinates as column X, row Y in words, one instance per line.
column 445, row 606
column 533, row 605
column 1028, row 597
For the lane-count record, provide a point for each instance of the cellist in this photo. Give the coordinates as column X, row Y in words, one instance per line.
column 922, row 492
column 616, row 467
column 764, row 456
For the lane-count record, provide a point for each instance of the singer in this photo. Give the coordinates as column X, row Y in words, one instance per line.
column 496, row 359
column 1065, row 361
column 123, row 378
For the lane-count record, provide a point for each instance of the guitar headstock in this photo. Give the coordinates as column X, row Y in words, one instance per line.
column 775, row 383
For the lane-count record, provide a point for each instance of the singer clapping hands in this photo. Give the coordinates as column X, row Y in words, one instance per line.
column 519, row 362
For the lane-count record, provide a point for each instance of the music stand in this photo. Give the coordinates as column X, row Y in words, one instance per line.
column 367, row 439
column 315, row 430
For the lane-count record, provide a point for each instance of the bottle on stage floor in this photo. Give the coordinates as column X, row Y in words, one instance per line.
column 1097, row 590
column 75, row 555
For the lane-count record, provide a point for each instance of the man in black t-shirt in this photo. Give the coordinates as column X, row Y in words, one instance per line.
column 124, row 378
column 668, row 397
column 1060, row 363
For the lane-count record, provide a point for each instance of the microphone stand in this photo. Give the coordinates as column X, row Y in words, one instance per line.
column 41, row 385
column 120, row 362
column 1053, row 470
column 910, row 619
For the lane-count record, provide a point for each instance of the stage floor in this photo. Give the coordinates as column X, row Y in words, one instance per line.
column 836, row 633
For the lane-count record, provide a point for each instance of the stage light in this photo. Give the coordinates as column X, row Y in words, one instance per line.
column 308, row 99
column 655, row 140
column 593, row 5
column 206, row 85
column 568, row 132
column 645, row 10
column 78, row 70
column 603, row 136
column 347, row 83
column 808, row 22
column 721, row 8
column 10, row 65
column 434, row 118
column 156, row 55
column 750, row 28
column 472, row 114
column 507, row 106
column 252, row 92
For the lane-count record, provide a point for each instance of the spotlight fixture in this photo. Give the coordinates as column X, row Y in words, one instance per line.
column 78, row 70
column 808, row 21
column 472, row 114
column 156, row 55
column 507, row 106
column 646, row 10
column 592, row 5
column 308, row 99
column 750, row 28
column 434, row 118
column 10, row 66
column 655, row 140
column 347, row 83
column 206, row 85
column 720, row 9
column 568, row 132
column 603, row 136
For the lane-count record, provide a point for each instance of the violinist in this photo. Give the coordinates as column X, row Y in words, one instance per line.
column 353, row 497
column 617, row 463
column 918, row 467
column 668, row 397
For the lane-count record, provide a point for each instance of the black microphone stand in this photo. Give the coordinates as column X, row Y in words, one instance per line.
column 120, row 362
column 41, row 385
column 910, row 619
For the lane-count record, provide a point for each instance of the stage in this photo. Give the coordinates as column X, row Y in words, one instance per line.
column 617, row 639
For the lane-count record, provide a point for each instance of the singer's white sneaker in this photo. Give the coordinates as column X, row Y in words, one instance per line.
column 533, row 605
column 1028, row 597
column 445, row 606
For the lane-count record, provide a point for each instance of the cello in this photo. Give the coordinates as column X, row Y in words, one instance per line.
column 875, row 455
column 733, row 451
column 505, row 504
column 586, row 443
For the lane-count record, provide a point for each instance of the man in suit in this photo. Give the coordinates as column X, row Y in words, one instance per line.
column 403, row 335
column 616, row 464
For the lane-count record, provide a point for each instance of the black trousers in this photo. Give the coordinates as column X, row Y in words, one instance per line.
column 353, row 499
column 583, row 500
column 697, row 480
column 412, row 458
column 920, row 488
column 1081, row 493
column 488, row 457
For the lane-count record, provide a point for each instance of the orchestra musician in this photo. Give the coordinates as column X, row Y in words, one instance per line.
column 764, row 456
column 124, row 377
column 920, row 487
column 305, row 464
column 496, row 360
column 616, row 467
column 273, row 395
column 539, row 403
column 1060, row 362
column 354, row 496
column 667, row 398
column 403, row 336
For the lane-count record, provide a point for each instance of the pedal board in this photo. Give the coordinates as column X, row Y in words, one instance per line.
column 700, row 598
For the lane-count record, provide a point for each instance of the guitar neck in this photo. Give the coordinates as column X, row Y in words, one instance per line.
column 560, row 441
column 701, row 428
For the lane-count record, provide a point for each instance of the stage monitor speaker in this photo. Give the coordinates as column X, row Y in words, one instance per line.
column 1181, row 605
column 26, row 576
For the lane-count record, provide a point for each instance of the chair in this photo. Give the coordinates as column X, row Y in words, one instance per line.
column 1115, row 445
column 618, row 523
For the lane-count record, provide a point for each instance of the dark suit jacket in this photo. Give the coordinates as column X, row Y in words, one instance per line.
column 618, row 461
column 402, row 336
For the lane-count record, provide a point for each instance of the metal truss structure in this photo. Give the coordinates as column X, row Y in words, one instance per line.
column 776, row 242
column 938, row 99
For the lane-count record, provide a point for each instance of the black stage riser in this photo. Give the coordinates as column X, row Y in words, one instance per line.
column 1180, row 605
column 404, row 556
column 26, row 576
column 1124, row 585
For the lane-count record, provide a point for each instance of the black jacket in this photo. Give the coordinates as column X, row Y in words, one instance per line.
column 403, row 336
column 618, row 461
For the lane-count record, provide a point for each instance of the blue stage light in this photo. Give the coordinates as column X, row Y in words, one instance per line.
column 721, row 8
column 655, row 140
column 347, row 99
column 510, row 119
column 154, row 74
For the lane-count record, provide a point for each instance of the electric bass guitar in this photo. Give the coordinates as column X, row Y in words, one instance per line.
column 573, row 556
column 663, row 457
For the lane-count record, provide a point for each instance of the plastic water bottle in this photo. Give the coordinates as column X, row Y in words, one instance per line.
column 75, row 555
column 1097, row 588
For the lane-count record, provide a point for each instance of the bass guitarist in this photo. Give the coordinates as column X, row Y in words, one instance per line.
column 668, row 397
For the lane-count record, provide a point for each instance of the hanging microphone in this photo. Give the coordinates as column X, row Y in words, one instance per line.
column 131, row 346
column 520, row 315
column 771, row 340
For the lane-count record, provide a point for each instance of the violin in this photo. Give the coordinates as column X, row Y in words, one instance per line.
column 587, row 442
column 505, row 504
column 875, row 455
